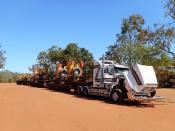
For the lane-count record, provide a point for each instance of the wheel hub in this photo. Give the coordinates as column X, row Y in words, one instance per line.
column 115, row 96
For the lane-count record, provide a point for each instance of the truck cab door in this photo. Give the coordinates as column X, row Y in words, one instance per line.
column 96, row 76
column 109, row 72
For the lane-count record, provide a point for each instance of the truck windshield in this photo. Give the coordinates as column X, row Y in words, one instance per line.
column 119, row 70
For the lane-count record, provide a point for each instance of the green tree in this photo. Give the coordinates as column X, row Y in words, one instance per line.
column 115, row 53
column 137, row 44
column 132, row 34
column 162, row 38
column 87, row 57
column 55, row 54
column 2, row 58
column 48, row 59
column 43, row 59
column 170, row 6
column 71, row 52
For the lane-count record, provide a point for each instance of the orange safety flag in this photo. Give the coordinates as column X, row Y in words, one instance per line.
column 81, row 64
column 70, row 66
column 40, row 70
column 35, row 71
column 59, row 67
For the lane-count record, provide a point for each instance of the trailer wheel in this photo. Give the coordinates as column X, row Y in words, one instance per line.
column 86, row 91
column 116, row 96
column 75, row 90
column 68, row 89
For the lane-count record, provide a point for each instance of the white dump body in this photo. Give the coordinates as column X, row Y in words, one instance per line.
column 141, row 79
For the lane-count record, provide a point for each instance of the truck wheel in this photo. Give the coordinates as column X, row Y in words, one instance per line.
column 79, row 90
column 116, row 96
column 153, row 93
column 86, row 91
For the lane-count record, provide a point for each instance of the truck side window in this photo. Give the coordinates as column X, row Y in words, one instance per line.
column 111, row 71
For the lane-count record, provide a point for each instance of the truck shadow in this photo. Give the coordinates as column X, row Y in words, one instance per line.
column 173, row 87
column 127, row 103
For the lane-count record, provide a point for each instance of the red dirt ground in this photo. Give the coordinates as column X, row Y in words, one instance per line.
column 24, row 108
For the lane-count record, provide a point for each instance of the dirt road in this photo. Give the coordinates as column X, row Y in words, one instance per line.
column 25, row 108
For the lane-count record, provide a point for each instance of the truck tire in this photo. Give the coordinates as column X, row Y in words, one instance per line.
column 86, row 91
column 79, row 90
column 116, row 96
column 153, row 93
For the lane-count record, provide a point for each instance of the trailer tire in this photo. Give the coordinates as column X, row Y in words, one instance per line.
column 116, row 96
column 75, row 90
column 68, row 89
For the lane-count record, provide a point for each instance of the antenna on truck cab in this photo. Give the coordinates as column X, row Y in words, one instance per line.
column 102, row 71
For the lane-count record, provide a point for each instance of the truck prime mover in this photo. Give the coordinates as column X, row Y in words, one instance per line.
column 119, row 83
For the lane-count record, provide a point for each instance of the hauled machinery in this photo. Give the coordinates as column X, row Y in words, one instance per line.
column 39, row 78
column 166, row 76
column 66, row 77
column 23, row 79
column 36, row 79
column 109, row 79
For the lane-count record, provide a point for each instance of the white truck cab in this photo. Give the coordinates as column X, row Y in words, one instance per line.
column 107, row 72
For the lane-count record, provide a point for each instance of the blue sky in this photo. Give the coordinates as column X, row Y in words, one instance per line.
column 30, row 26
